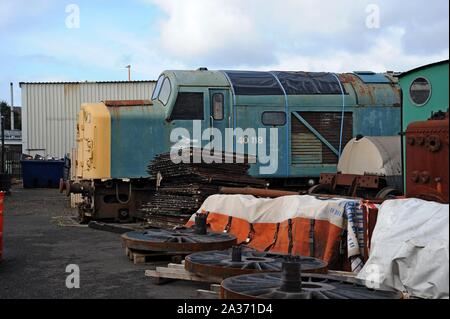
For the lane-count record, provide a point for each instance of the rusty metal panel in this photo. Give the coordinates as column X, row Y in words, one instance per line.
column 364, row 181
column 128, row 102
column 427, row 160
column 50, row 110
column 306, row 148
column 371, row 94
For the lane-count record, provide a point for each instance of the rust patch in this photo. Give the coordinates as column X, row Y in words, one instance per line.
column 347, row 78
column 116, row 103
column 427, row 160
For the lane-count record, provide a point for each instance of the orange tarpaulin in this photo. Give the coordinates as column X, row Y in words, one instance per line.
column 329, row 229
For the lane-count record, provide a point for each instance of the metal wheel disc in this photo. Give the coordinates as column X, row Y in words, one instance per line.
column 220, row 263
column 314, row 286
column 179, row 240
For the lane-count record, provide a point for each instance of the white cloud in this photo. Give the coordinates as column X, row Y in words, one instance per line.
column 385, row 54
column 252, row 30
column 204, row 28
column 308, row 35
column 301, row 34
column 197, row 29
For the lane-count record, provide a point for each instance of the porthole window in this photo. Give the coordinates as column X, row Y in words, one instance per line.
column 420, row 91
column 273, row 118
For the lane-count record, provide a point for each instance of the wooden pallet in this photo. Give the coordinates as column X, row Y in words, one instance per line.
column 139, row 257
column 212, row 293
column 177, row 272
column 342, row 273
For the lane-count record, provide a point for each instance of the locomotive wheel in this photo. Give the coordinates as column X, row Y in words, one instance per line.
column 321, row 189
column 312, row 286
column 221, row 264
column 179, row 240
column 388, row 193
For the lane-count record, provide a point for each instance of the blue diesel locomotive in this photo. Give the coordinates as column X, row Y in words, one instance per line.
column 311, row 115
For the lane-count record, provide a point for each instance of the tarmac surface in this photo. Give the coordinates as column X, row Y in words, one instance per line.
column 37, row 250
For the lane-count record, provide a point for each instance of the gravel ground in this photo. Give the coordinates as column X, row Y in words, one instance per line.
column 37, row 250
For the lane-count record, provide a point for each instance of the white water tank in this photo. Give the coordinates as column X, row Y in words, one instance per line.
column 377, row 155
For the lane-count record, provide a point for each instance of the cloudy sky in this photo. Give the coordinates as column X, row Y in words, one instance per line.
column 46, row 40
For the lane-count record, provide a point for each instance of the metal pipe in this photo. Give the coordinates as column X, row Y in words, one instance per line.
column 256, row 191
column 236, row 254
column 200, row 227
column 288, row 122
column 129, row 195
column 12, row 106
column 291, row 276
column 341, row 134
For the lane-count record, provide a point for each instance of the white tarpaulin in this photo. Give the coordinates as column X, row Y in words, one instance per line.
column 410, row 247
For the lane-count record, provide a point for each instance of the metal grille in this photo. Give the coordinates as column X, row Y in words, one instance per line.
column 306, row 148
column 12, row 162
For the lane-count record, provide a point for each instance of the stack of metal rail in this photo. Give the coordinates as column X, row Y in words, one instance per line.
column 182, row 187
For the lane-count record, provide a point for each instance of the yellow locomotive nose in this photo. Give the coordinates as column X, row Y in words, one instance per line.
column 93, row 142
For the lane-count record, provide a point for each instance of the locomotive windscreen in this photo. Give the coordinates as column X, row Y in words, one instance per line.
column 294, row 83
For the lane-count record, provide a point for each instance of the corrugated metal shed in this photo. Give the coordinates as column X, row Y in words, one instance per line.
column 49, row 110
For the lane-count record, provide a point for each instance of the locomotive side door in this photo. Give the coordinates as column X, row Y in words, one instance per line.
column 220, row 113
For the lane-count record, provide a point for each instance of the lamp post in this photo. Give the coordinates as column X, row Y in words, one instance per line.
column 12, row 106
column 5, row 179
column 3, row 144
column 129, row 71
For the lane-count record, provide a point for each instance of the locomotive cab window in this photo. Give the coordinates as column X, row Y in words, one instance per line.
column 217, row 106
column 157, row 87
column 162, row 90
column 165, row 91
column 420, row 91
column 188, row 106
column 273, row 118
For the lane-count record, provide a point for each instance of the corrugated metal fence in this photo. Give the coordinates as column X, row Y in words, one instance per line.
column 49, row 110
